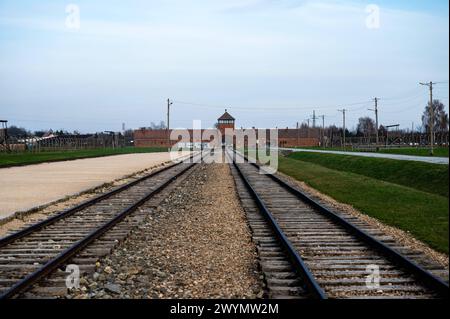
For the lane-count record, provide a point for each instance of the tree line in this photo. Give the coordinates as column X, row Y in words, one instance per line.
column 367, row 127
column 20, row 132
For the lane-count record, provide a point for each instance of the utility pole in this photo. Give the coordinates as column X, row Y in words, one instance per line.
column 343, row 126
column 376, row 119
column 323, row 129
column 123, row 135
column 307, row 129
column 314, row 118
column 169, row 103
column 431, row 121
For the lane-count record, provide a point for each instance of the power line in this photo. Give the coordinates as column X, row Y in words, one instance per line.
column 409, row 108
column 401, row 100
column 323, row 130
column 408, row 95
column 359, row 108
column 274, row 108
column 63, row 121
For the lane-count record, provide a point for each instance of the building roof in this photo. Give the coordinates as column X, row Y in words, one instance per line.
column 226, row 116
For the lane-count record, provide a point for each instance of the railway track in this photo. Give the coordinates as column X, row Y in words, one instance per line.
column 33, row 260
column 308, row 251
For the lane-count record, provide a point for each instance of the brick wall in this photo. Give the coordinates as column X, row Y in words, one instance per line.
column 300, row 142
column 158, row 138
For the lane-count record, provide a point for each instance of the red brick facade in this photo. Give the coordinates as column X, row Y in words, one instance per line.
column 302, row 137
column 286, row 137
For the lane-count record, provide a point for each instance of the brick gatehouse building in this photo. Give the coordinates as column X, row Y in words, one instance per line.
column 287, row 137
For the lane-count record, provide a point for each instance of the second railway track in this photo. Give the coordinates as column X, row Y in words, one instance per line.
column 305, row 250
column 81, row 235
column 308, row 251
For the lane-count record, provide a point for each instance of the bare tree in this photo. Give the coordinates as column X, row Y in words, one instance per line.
column 39, row 133
column 443, row 122
column 440, row 116
column 440, row 120
column 382, row 131
column 443, row 127
column 160, row 126
column 366, row 126
column 15, row 131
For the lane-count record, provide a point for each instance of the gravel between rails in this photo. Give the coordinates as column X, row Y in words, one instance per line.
column 196, row 244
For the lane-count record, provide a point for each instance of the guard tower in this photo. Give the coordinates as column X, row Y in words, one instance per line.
column 224, row 122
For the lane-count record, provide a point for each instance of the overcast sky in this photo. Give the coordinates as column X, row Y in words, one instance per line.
column 270, row 62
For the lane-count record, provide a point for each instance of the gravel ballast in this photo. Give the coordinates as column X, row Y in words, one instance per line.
column 401, row 237
column 196, row 244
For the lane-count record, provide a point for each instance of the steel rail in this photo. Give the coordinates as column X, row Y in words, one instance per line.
column 300, row 267
column 68, row 253
column 427, row 277
column 68, row 212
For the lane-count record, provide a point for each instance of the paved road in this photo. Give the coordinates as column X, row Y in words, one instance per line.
column 425, row 159
column 26, row 187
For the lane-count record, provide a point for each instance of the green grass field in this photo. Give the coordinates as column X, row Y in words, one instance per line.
column 26, row 158
column 426, row 177
column 438, row 151
column 424, row 214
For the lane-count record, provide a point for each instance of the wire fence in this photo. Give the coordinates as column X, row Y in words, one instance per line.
column 389, row 140
column 61, row 143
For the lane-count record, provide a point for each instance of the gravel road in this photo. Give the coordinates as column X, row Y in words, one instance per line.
column 196, row 244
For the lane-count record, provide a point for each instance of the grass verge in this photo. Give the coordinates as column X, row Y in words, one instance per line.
column 27, row 158
column 431, row 178
column 424, row 215
column 414, row 151
column 438, row 152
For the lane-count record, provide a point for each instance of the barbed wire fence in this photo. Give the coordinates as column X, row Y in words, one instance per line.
column 60, row 143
